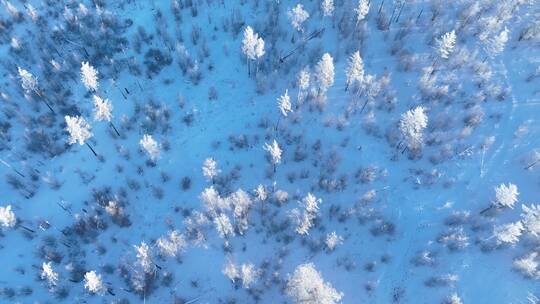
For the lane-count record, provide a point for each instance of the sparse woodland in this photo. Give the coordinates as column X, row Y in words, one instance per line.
column 269, row 151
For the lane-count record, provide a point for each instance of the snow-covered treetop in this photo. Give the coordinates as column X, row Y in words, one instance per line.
column 325, row 72
column 210, row 169
column 284, row 103
column 102, row 109
column 144, row 257
column 306, row 286
column 508, row 233
column 252, row 44
column 327, row 7
column 355, row 69
column 311, row 203
column 446, row 44
column 298, row 15
column 47, row 273
column 496, row 44
column 78, row 128
column 172, row 244
column 411, row 125
column 506, row 196
column 93, row 283
column 89, row 76
column 28, row 82
column 274, row 150
column 7, row 217
column 362, row 10
column 303, row 79
column 151, row 146
column 531, row 219
column 223, row 226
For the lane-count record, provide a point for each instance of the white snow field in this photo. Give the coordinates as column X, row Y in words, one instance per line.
column 269, row 151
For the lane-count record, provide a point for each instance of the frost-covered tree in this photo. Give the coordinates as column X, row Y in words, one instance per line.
column 528, row 265
column 102, row 109
column 252, row 46
column 93, row 283
column 411, row 125
column 172, row 244
column 284, row 103
column 531, row 219
column 79, row 131
column 362, row 10
column 210, row 169
column 355, row 71
column 151, row 146
column 223, row 226
column 231, row 271
column 310, row 210
column 144, row 257
column 303, row 84
column 241, row 202
column 297, row 16
column 496, row 44
column 327, row 7
column 506, row 196
column 261, row 193
column 306, row 286
column 248, row 274
column 89, row 76
column 213, row 202
column 453, row 299
column 275, row 152
column 7, row 217
column 28, row 81
column 48, row 274
column 325, row 73
column 446, row 44
column 508, row 233
column 333, row 240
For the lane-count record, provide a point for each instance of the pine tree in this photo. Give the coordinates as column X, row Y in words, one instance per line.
column 275, row 153
column 362, row 10
column 325, row 73
column 151, row 147
column 89, row 76
column 446, row 44
column 93, row 283
column 79, row 131
column 306, row 286
column 355, row 71
column 327, row 7
column 298, row 15
column 411, row 125
column 7, row 217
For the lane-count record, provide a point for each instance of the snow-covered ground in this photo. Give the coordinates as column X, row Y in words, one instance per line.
column 414, row 214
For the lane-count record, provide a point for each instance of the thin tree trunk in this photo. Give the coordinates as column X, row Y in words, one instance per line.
column 91, row 149
column 380, row 8
column 115, row 130
column 532, row 164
